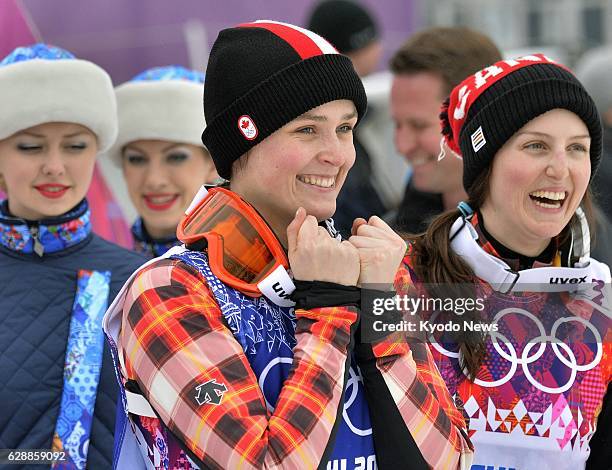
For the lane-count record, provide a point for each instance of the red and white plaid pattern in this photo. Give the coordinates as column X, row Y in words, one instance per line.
column 174, row 338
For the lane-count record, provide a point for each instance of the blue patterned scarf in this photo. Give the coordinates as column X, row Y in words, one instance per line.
column 47, row 235
column 147, row 245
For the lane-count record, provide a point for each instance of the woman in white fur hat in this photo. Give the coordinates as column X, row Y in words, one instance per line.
column 160, row 151
column 56, row 277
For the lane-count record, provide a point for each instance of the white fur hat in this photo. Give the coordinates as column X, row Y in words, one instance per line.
column 163, row 103
column 42, row 83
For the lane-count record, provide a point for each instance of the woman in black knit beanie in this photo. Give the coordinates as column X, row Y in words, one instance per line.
column 242, row 349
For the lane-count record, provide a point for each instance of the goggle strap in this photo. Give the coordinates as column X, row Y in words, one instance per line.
column 199, row 197
column 278, row 286
column 199, row 245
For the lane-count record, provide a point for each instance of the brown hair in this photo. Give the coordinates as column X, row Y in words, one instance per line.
column 434, row 262
column 452, row 53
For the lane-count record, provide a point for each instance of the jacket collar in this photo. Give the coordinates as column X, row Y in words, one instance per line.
column 147, row 245
column 515, row 260
column 47, row 235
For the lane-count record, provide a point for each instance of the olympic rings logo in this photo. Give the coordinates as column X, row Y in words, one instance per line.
column 264, row 375
column 526, row 359
column 352, row 384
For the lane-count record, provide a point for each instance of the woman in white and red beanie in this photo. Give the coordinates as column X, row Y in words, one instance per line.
column 532, row 388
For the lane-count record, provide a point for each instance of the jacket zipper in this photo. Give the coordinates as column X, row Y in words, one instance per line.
column 39, row 248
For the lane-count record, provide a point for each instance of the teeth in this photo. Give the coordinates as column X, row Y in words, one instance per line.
column 554, row 205
column 552, row 195
column 420, row 161
column 322, row 182
column 160, row 199
column 55, row 189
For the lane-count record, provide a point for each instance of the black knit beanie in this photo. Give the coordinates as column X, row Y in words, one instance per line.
column 487, row 109
column 344, row 23
column 264, row 74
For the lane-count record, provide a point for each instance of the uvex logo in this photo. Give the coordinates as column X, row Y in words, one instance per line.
column 567, row 280
column 276, row 287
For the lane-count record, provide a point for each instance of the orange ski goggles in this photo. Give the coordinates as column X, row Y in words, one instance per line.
column 242, row 249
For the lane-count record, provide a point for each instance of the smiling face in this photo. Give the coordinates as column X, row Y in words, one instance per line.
column 416, row 100
column 46, row 169
column 162, row 178
column 303, row 164
column 538, row 179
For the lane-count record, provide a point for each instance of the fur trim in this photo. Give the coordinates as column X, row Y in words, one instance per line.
column 38, row 91
column 169, row 110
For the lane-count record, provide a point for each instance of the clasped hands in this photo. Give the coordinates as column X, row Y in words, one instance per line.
column 372, row 255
